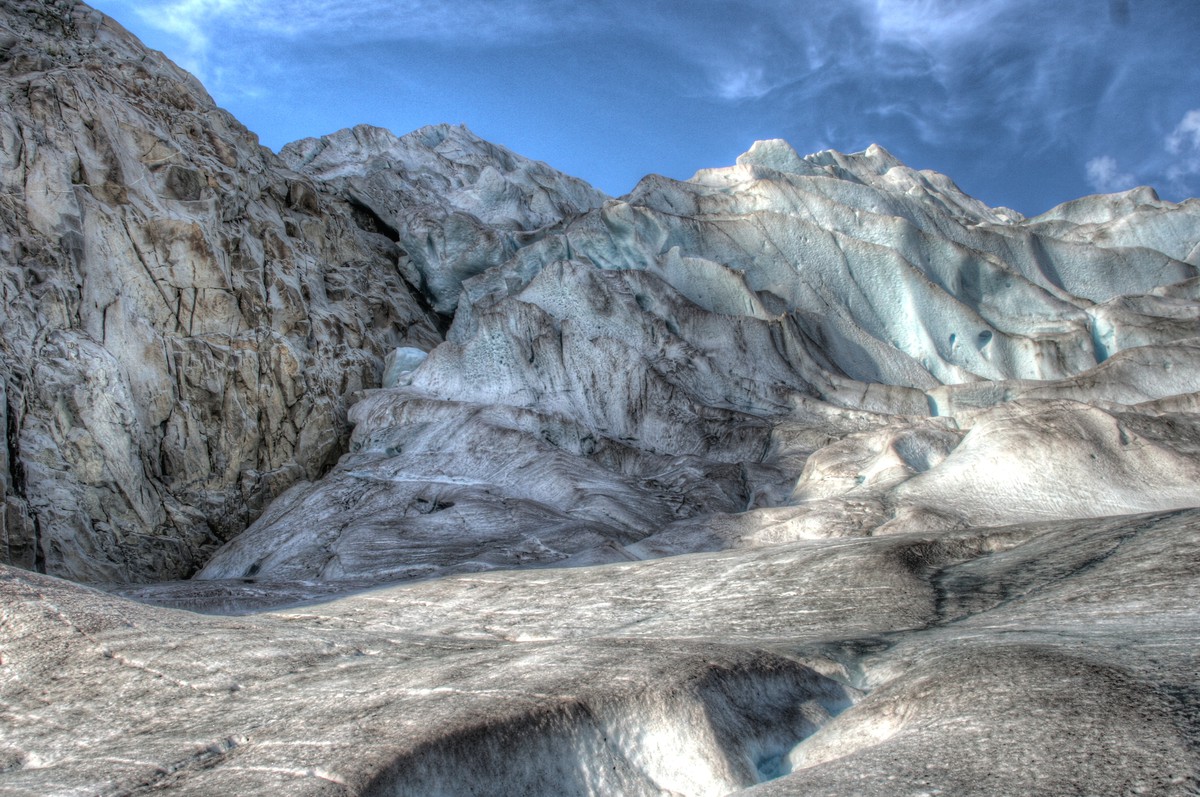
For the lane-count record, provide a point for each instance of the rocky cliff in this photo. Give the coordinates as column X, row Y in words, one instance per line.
column 184, row 317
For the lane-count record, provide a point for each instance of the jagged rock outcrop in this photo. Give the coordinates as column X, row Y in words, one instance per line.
column 456, row 203
column 184, row 318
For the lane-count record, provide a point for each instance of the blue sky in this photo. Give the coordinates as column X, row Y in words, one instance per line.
column 1024, row 103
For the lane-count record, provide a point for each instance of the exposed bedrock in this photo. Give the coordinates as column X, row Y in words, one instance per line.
column 184, row 318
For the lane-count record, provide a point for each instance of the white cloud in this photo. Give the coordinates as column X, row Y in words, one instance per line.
column 1176, row 166
column 195, row 20
column 190, row 21
column 740, row 83
column 927, row 23
column 744, row 82
column 1104, row 175
column 1184, row 145
column 1186, row 135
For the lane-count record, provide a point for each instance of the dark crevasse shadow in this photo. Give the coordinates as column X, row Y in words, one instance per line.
column 714, row 732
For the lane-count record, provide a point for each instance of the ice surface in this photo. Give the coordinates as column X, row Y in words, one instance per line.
column 1051, row 657
column 809, row 475
column 744, row 359
column 400, row 363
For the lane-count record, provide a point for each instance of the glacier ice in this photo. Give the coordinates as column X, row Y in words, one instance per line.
column 807, row 475
column 751, row 357
column 400, row 363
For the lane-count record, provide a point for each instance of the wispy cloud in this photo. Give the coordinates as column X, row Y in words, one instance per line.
column 932, row 23
column 1185, row 138
column 190, row 21
column 1106, row 177
column 741, row 82
column 1183, row 144
column 949, row 62
column 373, row 20
column 213, row 34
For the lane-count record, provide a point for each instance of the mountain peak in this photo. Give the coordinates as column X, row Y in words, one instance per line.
column 777, row 154
column 435, row 134
column 773, row 153
column 443, row 175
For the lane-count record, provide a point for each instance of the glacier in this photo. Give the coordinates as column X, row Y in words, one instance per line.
column 407, row 465
column 786, row 348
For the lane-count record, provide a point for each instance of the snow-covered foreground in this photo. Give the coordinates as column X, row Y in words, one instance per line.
column 1054, row 658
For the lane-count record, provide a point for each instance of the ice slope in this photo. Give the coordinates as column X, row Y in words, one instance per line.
column 901, row 277
column 751, row 357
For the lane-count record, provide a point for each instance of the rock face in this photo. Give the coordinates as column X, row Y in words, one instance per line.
column 936, row 466
column 184, row 317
